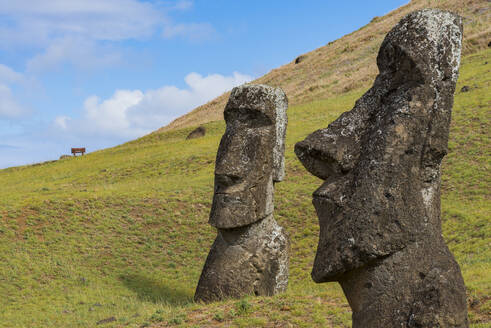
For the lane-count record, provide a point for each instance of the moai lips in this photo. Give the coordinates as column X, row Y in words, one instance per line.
column 250, row 253
column 379, row 206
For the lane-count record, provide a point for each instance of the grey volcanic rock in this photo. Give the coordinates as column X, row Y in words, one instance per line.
column 379, row 207
column 250, row 253
column 250, row 156
column 251, row 260
column 196, row 133
column 300, row 59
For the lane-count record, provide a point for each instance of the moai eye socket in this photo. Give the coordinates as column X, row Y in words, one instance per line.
column 224, row 181
column 250, row 117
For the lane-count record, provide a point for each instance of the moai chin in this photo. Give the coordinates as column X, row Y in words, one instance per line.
column 379, row 206
column 250, row 253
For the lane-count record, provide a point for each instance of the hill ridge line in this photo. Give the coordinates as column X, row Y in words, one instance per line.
column 318, row 75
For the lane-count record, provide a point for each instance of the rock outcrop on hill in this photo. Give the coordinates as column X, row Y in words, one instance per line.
column 379, row 207
column 250, row 253
column 197, row 133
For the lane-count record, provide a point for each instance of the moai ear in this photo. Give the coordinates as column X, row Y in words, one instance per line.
column 281, row 105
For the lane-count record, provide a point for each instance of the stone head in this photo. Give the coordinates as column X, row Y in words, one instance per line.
column 380, row 162
column 250, row 156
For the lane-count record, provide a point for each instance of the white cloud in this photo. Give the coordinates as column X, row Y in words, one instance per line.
column 75, row 31
column 9, row 108
column 61, row 121
column 8, row 75
column 79, row 31
column 182, row 5
column 94, row 19
column 80, row 52
column 191, row 31
column 110, row 115
column 130, row 114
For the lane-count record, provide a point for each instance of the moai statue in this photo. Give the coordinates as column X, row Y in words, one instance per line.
column 250, row 253
column 379, row 206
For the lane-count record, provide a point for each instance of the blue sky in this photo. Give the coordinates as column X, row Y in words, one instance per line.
column 97, row 73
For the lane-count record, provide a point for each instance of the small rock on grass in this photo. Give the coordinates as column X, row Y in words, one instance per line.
column 299, row 59
column 197, row 133
column 107, row 320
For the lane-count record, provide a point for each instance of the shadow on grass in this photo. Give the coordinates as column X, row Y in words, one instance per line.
column 165, row 292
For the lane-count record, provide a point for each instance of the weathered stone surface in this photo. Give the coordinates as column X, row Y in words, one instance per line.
column 250, row 156
column 251, row 260
column 379, row 207
column 196, row 133
column 300, row 59
column 250, row 253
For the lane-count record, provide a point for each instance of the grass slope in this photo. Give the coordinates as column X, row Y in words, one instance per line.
column 350, row 62
column 121, row 234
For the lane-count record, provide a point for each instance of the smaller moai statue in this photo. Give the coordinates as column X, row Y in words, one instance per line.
column 250, row 253
column 379, row 206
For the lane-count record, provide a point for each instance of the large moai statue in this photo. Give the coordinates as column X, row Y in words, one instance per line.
column 379, row 206
column 250, row 253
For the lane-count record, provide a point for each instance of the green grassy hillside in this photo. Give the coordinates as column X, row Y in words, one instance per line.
column 122, row 234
